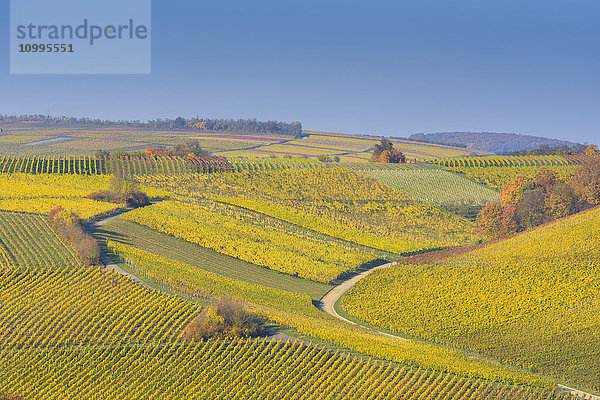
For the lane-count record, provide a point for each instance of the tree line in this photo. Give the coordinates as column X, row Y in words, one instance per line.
column 253, row 126
column 547, row 150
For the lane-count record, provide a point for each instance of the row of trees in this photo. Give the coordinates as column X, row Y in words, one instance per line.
column 562, row 150
column 385, row 152
column 212, row 125
column 530, row 202
column 190, row 148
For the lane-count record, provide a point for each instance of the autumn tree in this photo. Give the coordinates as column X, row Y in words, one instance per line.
column 159, row 152
column 223, row 318
column 190, row 149
column 586, row 181
column 68, row 225
column 592, row 150
column 489, row 220
column 530, row 211
column 385, row 153
column 511, row 192
column 561, row 201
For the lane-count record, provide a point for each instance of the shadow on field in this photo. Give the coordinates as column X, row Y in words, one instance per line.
column 361, row 268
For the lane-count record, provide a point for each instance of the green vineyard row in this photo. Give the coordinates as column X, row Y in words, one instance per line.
column 142, row 165
column 508, row 161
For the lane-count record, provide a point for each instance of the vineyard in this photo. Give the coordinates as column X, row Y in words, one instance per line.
column 531, row 301
column 297, row 311
column 126, row 232
column 496, row 177
column 508, row 161
column 278, row 249
column 41, row 139
column 128, row 165
column 41, row 193
column 27, row 241
column 333, row 201
column 434, row 186
column 240, row 369
column 506, row 320
column 349, row 148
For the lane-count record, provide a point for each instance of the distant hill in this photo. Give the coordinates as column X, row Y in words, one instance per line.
column 490, row 141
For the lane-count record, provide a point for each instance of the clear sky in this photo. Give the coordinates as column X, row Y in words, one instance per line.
column 389, row 68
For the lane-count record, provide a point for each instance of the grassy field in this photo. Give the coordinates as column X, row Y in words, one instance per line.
column 531, row 301
column 127, row 232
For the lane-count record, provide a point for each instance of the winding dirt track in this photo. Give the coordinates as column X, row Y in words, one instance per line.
column 104, row 259
column 328, row 301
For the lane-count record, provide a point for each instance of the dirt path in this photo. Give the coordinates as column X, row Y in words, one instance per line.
column 328, row 301
column 578, row 393
column 104, row 259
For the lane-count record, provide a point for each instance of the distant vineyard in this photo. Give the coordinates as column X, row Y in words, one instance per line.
column 27, row 241
column 83, row 165
column 143, row 165
column 496, row 177
column 508, row 161
column 120, row 165
column 272, row 164
column 409, row 165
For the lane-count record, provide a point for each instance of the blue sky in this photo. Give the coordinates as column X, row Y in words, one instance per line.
column 389, row 68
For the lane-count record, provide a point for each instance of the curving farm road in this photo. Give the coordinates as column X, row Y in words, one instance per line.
column 104, row 259
column 328, row 301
